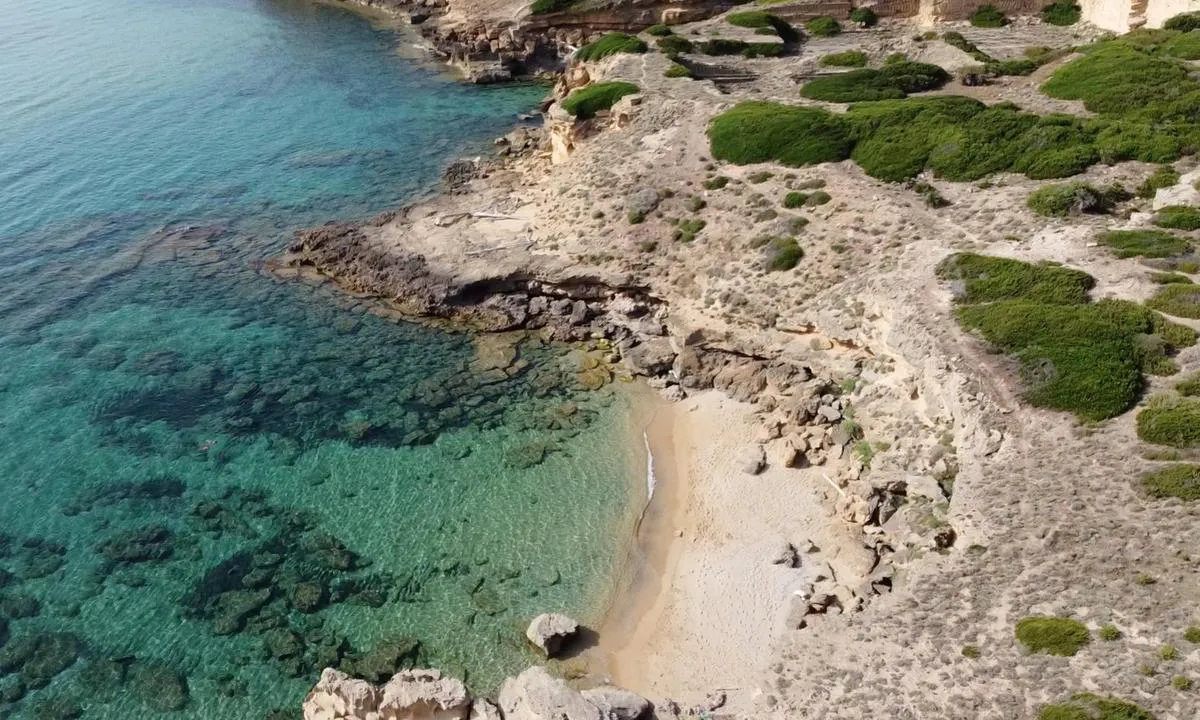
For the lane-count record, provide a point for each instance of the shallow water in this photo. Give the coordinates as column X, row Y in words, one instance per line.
column 212, row 484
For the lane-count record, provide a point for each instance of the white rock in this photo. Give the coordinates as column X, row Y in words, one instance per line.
column 534, row 695
column 424, row 695
column 338, row 696
column 483, row 709
column 752, row 459
column 550, row 631
column 617, row 704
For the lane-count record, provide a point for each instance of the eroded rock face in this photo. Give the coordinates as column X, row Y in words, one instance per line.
column 617, row 704
column 409, row 695
column 535, row 695
column 550, row 631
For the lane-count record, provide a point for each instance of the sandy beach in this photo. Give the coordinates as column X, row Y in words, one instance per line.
column 704, row 603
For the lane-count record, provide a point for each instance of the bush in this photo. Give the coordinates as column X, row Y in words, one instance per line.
column 1084, row 358
column 892, row 82
column 1171, row 421
column 1144, row 243
column 1109, row 633
column 585, row 102
column 1086, row 706
column 783, row 254
column 816, row 199
column 864, row 16
column 659, row 30
column 985, row 279
column 750, row 19
column 1178, row 217
column 1189, row 387
column 541, row 7
column 850, row 58
column 988, row 16
column 794, row 200
column 1184, row 22
column 763, row 49
column 675, row 70
column 1068, row 199
column 957, row 40
column 610, row 44
column 1169, row 278
column 1182, row 300
column 1192, row 634
column 1164, row 176
column 754, row 132
column 686, row 230
column 1174, row 481
column 722, row 46
column 716, row 183
column 1052, row 635
column 674, row 44
column 1063, row 12
column 823, row 26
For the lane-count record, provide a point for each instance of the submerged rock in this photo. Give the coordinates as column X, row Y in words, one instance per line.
column 39, row 657
column 550, row 631
column 135, row 546
column 18, row 606
column 386, row 659
column 159, row 687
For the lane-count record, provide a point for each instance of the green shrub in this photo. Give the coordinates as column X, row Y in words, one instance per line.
column 1052, row 635
column 1169, row 278
column 1182, row 683
column 816, row 199
column 823, row 26
column 1184, row 22
column 1086, row 706
column 1192, row 634
column 988, row 16
column 587, row 101
column 722, row 46
column 541, row 7
column 610, row 44
column 849, row 58
column 1170, row 421
column 1178, row 217
column 783, row 254
column 1182, row 300
column 1144, row 243
column 1118, row 79
column 1168, row 653
column 1068, row 199
column 1063, row 12
column 675, row 70
column 854, row 86
column 750, row 19
column 972, row 652
column 716, row 183
column 674, row 45
column 891, row 82
column 985, row 279
column 686, row 230
column 794, row 200
column 1174, row 481
column 864, row 16
column 760, row 177
column 1084, row 358
column 1109, row 633
column 659, row 30
column 957, row 40
column 1190, row 386
column 763, row 49
column 1164, row 176
column 754, row 132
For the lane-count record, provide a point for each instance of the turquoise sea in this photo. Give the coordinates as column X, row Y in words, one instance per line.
column 212, row 483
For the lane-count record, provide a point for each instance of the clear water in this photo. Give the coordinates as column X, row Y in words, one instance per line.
column 212, row 483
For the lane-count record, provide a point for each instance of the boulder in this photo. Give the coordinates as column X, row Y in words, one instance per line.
column 550, row 631
column 752, row 459
column 785, row 555
column 617, row 704
column 484, row 709
column 653, row 356
column 643, row 201
column 424, row 695
column 534, row 695
column 337, row 696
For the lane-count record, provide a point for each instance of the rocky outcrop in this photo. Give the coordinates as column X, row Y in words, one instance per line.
column 409, row 695
column 550, row 632
column 535, row 695
column 427, row 695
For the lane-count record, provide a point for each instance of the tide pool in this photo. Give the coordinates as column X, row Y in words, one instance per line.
column 213, row 484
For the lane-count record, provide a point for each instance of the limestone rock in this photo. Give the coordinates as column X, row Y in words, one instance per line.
column 643, row 201
column 617, row 704
column 484, row 709
column 785, row 555
column 653, row 356
column 752, row 459
column 337, row 696
column 534, row 695
column 549, row 631
column 424, row 695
